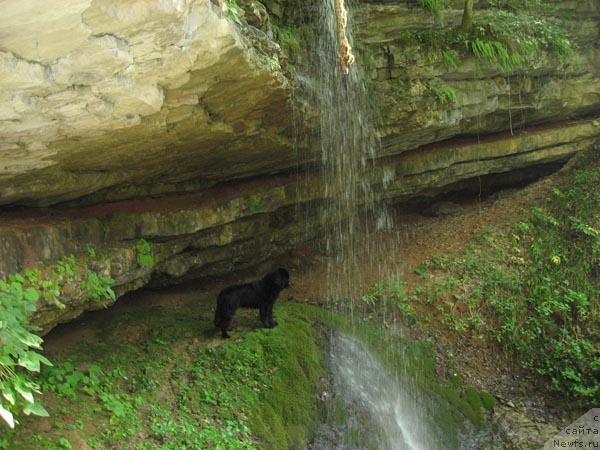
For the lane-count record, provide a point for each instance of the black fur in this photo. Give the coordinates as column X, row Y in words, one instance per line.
column 259, row 294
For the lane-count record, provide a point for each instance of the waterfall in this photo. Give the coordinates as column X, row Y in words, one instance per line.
column 380, row 410
column 346, row 137
column 382, row 413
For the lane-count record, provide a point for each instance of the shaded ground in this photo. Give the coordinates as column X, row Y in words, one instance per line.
column 152, row 373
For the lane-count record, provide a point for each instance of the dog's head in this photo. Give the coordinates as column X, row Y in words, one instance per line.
column 279, row 278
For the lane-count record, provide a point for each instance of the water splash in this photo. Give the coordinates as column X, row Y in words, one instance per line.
column 382, row 412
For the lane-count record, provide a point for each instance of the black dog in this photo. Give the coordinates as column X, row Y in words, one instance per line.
column 259, row 294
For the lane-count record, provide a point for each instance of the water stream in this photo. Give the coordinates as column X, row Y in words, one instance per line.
column 369, row 407
column 381, row 412
column 346, row 137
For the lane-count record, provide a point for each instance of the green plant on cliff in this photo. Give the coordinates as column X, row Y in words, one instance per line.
column 144, row 254
column 289, row 38
column 444, row 95
column 255, row 204
column 18, row 351
column 98, row 286
column 505, row 39
column 234, row 12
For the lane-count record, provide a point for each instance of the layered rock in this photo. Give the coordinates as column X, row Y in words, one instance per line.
column 107, row 95
column 178, row 113
column 228, row 228
column 486, row 100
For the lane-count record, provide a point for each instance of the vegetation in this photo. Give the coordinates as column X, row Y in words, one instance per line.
column 290, row 39
column 145, row 256
column 443, row 94
column 433, row 6
column 534, row 289
column 252, row 392
column 255, row 204
column 20, row 294
column 19, row 357
column 18, row 349
column 234, row 11
column 98, row 287
column 508, row 36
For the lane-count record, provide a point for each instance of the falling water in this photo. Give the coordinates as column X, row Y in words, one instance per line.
column 348, row 143
column 382, row 410
column 383, row 413
column 389, row 417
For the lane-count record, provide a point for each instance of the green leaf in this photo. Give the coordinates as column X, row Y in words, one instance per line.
column 25, row 393
column 31, row 294
column 45, row 360
column 35, row 409
column 7, row 416
column 9, row 395
column 30, row 339
column 31, row 361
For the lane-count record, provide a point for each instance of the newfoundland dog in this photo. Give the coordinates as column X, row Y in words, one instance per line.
column 259, row 294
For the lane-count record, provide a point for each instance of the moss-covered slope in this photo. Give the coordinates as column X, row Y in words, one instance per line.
column 149, row 377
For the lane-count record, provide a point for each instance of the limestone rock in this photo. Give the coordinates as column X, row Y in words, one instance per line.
column 92, row 97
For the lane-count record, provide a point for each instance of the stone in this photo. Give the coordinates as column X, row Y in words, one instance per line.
column 88, row 87
column 168, row 121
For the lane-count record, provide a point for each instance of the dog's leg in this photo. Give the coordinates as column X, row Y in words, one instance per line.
column 264, row 315
column 226, row 319
column 224, row 328
column 270, row 319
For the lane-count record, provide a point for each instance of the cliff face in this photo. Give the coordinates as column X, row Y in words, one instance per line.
column 413, row 91
column 107, row 96
column 179, row 114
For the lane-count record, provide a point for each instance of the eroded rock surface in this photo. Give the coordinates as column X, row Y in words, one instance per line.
column 104, row 94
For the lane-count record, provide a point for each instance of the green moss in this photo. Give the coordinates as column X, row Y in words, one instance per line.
column 269, row 427
column 144, row 253
column 258, row 387
column 295, row 352
column 289, row 38
column 487, row 400
column 473, row 398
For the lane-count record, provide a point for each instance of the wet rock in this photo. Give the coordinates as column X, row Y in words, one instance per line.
column 520, row 432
